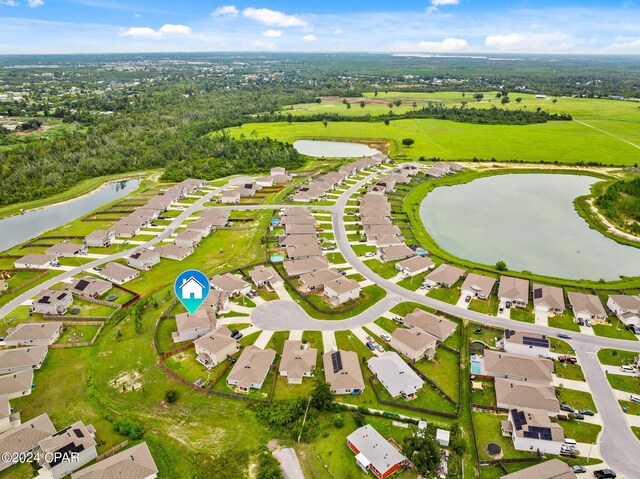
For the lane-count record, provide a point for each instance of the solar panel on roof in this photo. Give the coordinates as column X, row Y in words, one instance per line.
column 82, row 284
column 336, row 359
column 537, row 293
column 541, row 342
column 519, row 419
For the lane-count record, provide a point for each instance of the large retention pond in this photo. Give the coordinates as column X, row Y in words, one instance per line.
column 528, row 221
column 333, row 149
column 20, row 228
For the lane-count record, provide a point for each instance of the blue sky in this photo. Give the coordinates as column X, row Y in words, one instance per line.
column 428, row 26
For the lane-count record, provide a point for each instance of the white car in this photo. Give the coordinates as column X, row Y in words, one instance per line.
column 369, row 254
column 385, row 337
column 626, row 368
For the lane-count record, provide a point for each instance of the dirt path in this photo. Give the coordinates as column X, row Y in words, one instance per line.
column 607, row 133
column 614, row 230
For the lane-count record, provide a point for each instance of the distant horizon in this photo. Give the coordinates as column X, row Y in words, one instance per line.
column 588, row 27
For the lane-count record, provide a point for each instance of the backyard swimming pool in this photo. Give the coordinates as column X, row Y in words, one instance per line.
column 476, row 367
column 277, row 258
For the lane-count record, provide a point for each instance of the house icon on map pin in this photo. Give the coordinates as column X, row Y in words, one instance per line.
column 191, row 289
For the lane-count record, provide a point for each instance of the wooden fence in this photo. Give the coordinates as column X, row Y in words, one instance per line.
column 112, row 451
column 100, row 325
column 28, row 282
column 429, row 381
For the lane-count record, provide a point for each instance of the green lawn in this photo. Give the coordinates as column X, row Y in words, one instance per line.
column 487, row 427
column 386, row 270
column 581, row 431
column 576, row 399
column 489, row 306
column 444, row 370
column 569, row 371
column 616, row 357
column 564, row 321
column 631, row 407
column 614, row 330
column 629, row 384
column 524, row 315
column 486, row 336
column 636, row 431
column 486, row 395
column 387, row 324
column 447, row 295
column 361, row 249
column 561, row 347
column 568, row 141
column 336, row 258
column 77, row 334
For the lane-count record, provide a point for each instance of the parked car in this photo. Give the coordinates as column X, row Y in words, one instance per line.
column 369, row 254
column 379, row 348
column 625, row 368
column 578, row 469
column 634, row 329
column 587, row 323
column 567, row 359
column 500, row 309
column 371, row 346
column 586, row 412
column 581, row 321
column 199, row 383
column 604, row 474
column 370, row 339
column 342, row 272
column 398, row 319
column 385, row 337
column 578, row 416
column 467, row 299
column 564, row 336
column 566, row 407
column 634, row 398
column 508, row 304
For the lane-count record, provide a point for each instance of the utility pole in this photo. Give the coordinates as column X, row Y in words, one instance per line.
column 304, row 419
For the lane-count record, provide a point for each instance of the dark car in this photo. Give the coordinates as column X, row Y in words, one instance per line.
column 578, row 416
column 371, row 346
column 467, row 299
column 604, row 474
column 566, row 407
column 587, row 412
column 578, row 469
column 564, row 336
column 234, row 333
column 572, row 360
column 634, row 329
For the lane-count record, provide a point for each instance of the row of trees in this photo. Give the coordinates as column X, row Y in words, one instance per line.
column 620, row 203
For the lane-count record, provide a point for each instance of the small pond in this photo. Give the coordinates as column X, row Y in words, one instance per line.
column 333, row 149
column 528, row 221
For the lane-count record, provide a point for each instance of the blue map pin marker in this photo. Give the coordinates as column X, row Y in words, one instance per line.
column 192, row 288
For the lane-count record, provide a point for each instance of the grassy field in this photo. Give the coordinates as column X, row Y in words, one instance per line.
column 581, row 431
column 616, row 357
column 576, row 399
column 562, row 141
column 628, row 384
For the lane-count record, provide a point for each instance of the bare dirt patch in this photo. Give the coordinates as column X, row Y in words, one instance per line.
column 127, row 381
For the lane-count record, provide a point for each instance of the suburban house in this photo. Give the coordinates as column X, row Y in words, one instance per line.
column 7, row 419
column 52, row 302
column 16, row 385
column 386, row 241
column 303, row 251
column 133, row 463
column 126, row 230
column 67, row 450
column 587, row 306
column 230, row 284
column 118, row 273
column 514, row 290
column 23, row 439
column 297, row 362
column 434, row 325
column 66, row 250
column 477, row 286
column 374, row 453
column 532, row 430
column 33, row 334
column 395, row 375
column 626, row 308
column 265, row 275
column 522, row 368
column 526, row 344
column 315, row 281
column 414, row 343
column 342, row 371
column 511, row 394
column 20, row 359
column 216, row 301
column 143, row 259
column 278, row 170
column 292, row 229
column 341, row 290
column 548, row 299
column 230, row 196
column 89, row 287
column 192, row 326
column 298, row 240
column 173, row 251
column 100, row 238
column 36, row 261
column 415, row 265
column 553, row 469
column 299, row 267
column 251, row 368
column 188, row 238
column 295, row 211
column 444, row 275
column 394, row 253
column 215, row 347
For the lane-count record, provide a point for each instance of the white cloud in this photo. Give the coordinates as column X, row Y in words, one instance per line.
column 226, row 11
column 264, row 45
column 623, row 45
column 35, row 3
column 170, row 29
column 165, row 30
column 439, row 3
column 446, row 45
column 137, row 15
column 272, row 34
column 273, row 17
column 309, row 38
column 336, row 31
column 9, row 3
column 533, row 42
